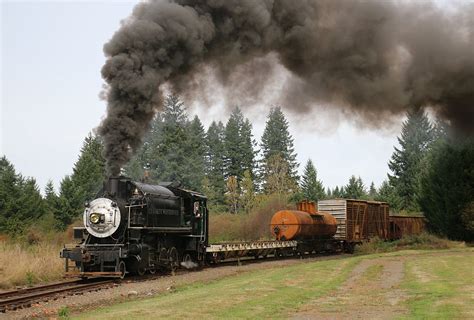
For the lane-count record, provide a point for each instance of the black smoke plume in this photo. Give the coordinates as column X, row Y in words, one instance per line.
column 372, row 59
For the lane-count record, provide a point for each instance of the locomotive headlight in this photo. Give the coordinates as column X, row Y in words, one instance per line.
column 94, row 218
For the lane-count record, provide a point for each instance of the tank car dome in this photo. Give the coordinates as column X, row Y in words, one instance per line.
column 102, row 217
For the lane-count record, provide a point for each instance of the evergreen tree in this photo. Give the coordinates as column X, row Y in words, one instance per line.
column 20, row 200
column 372, row 191
column 387, row 193
column 311, row 187
column 215, row 162
column 175, row 146
column 277, row 141
column 338, row 192
column 239, row 153
column 84, row 183
column 447, row 188
column 89, row 170
column 70, row 203
column 354, row 189
column 328, row 193
column 168, row 152
column 416, row 137
column 196, row 154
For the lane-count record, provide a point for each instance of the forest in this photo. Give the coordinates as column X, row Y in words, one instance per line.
column 431, row 173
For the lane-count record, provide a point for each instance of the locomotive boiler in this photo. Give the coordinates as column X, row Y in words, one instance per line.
column 134, row 227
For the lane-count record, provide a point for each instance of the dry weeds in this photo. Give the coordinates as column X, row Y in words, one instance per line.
column 22, row 264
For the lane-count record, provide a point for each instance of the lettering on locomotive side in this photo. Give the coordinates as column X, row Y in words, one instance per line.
column 166, row 212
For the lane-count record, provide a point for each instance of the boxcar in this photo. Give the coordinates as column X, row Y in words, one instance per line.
column 358, row 220
column 406, row 225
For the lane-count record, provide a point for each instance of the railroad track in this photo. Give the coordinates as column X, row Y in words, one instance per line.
column 21, row 298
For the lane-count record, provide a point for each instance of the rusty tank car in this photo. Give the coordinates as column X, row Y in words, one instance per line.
column 303, row 223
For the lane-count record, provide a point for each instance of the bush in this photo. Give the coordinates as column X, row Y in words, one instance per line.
column 424, row 241
column 252, row 226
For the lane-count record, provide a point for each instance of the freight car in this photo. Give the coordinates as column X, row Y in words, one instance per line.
column 314, row 231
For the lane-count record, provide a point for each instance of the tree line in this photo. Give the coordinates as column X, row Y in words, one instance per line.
column 431, row 171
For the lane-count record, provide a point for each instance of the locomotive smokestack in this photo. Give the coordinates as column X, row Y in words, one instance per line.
column 372, row 59
column 112, row 186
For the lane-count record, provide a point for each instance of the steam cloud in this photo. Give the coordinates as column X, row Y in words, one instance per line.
column 372, row 59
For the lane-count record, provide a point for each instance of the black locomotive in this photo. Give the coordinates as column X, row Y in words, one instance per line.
column 134, row 227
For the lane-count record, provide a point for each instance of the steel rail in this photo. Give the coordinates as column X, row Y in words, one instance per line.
column 17, row 299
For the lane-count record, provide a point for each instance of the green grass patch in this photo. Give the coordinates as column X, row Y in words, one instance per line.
column 440, row 286
column 271, row 293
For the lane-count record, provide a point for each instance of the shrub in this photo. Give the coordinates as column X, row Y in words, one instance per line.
column 417, row 242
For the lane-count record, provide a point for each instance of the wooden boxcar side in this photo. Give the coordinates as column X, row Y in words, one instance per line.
column 405, row 225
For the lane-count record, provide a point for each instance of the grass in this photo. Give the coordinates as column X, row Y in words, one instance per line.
column 441, row 290
column 23, row 264
column 440, row 286
column 273, row 293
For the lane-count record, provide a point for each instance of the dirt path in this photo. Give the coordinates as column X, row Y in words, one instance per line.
column 371, row 292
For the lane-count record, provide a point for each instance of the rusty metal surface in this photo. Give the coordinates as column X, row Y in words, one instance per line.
column 406, row 225
column 294, row 224
column 22, row 298
column 76, row 274
column 358, row 220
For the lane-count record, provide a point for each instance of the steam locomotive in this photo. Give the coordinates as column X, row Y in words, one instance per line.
column 134, row 227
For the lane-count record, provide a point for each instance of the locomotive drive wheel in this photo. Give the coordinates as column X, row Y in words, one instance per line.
column 137, row 266
column 173, row 259
column 122, row 269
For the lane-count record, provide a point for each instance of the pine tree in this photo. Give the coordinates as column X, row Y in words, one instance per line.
column 372, row 191
column 21, row 203
column 415, row 140
column 447, row 188
column 84, row 183
column 329, row 194
column 337, row 193
column 239, row 153
column 311, row 187
column 215, row 162
column 89, row 170
column 387, row 193
column 70, row 203
column 354, row 189
column 168, row 153
column 277, row 141
column 196, row 154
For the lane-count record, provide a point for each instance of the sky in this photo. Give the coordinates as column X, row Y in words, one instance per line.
column 51, row 57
